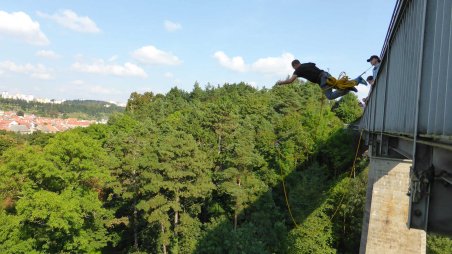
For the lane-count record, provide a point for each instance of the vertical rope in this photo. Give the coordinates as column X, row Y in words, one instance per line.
column 352, row 173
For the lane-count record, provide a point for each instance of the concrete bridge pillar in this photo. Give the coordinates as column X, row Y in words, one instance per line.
column 385, row 229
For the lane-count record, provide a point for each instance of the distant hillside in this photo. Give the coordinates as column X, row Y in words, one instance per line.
column 89, row 102
column 84, row 109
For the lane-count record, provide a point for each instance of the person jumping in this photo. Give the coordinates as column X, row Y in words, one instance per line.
column 312, row 73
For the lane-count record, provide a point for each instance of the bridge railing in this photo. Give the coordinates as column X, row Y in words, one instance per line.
column 413, row 91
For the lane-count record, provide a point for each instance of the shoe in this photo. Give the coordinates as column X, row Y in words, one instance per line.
column 361, row 80
column 352, row 89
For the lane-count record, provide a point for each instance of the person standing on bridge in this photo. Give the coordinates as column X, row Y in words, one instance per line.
column 371, row 81
column 375, row 61
column 313, row 74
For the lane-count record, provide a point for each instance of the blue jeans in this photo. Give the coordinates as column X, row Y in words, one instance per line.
column 328, row 90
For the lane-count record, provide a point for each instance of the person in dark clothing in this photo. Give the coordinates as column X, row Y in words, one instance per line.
column 313, row 74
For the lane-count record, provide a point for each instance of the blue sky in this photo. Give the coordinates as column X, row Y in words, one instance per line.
column 108, row 49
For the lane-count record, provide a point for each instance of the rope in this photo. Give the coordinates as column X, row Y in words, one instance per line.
column 342, row 82
column 352, row 173
column 365, row 71
column 285, row 195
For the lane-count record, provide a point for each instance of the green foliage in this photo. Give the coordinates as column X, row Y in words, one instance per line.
column 222, row 238
column 437, row 244
column 348, row 108
column 196, row 172
column 51, row 197
column 86, row 109
column 175, row 186
column 339, row 151
column 331, row 213
column 346, row 202
column 7, row 140
column 313, row 236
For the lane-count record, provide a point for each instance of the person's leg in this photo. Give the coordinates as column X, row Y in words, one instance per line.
column 336, row 94
column 328, row 90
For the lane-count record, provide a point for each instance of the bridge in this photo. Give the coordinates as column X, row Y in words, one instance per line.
column 408, row 127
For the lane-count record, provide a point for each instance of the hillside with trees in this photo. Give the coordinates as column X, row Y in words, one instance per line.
column 191, row 172
column 81, row 109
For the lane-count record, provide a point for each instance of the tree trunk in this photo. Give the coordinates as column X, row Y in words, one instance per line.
column 135, row 215
column 235, row 219
column 176, row 213
column 236, row 214
column 163, row 243
column 219, row 144
column 175, row 246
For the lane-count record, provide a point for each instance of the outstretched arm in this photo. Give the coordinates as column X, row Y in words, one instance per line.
column 287, row 81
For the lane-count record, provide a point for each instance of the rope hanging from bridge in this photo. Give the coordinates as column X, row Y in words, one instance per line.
column 352, row 174
column 282, row 174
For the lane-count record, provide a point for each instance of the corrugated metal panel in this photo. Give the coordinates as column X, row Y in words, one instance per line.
column 436, row 95
column 393, row 102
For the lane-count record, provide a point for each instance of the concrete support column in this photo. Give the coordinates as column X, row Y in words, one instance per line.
column 385, row 228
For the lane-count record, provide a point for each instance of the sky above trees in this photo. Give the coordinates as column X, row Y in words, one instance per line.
column 108, row 49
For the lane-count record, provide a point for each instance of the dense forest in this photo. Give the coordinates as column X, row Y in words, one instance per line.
column 82, row 109
column 192, row 172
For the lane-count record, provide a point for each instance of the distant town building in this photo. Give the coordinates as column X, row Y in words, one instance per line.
column 28, row 98
column 27, row 124
column 22, row 129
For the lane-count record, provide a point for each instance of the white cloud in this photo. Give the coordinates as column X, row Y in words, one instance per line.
column 235, row 63
column 113, row 58
column 49, row 54
column 21, row 26
column 42, row 75
column 168, row 75
column 78, row 82
column 90, row 89
column 363, row 91
column 100, row 67
column 279, row 65
column 172, row 26
column 69, row 19
column 103, row 90
column 152, row 55
column 38, row 71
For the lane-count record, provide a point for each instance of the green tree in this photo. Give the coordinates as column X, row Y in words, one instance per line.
column 54, row 196
column 315, row 235
column 348, row 108
column 182, row 172
column 437, row 244
column 131, row 150
column 176, row 185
